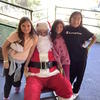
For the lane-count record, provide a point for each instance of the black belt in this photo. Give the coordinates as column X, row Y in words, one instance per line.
column 42, row 65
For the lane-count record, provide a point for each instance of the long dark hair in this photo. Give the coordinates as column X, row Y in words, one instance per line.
column 76, row 13
column 53, row 29
column 20, row 33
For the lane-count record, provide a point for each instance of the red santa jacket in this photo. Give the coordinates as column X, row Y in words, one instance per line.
column 36, row 58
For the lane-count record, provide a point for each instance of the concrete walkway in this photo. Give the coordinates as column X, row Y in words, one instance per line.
column 90, row 89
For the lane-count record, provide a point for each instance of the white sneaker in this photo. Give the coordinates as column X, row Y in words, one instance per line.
column 75, row 95
column 61, row 98
column 6, row 98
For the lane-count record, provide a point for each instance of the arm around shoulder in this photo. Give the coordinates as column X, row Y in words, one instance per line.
column 35, row 40
column 26, row 73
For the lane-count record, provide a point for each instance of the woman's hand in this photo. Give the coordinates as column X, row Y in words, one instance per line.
column 26, row 69
column 6, row 65
column 60, row 68
column 87, row 48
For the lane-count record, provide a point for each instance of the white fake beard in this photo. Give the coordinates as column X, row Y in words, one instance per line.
column 44, row 44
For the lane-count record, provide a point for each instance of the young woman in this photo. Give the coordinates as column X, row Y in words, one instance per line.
column 14, row 58
column 75, row 36
column 61, row 54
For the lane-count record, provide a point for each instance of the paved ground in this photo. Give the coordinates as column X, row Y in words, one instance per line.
column 90, row 89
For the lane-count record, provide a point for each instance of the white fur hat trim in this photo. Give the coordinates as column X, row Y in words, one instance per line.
column 42, row 26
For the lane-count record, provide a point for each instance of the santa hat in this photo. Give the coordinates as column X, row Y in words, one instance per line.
column 42, row 26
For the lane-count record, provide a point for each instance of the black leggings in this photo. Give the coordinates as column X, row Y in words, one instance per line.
column 9, row 81
column 77, row 70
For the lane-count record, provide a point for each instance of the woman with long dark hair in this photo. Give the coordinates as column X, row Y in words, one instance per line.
column 15, row 51
column 60, row 49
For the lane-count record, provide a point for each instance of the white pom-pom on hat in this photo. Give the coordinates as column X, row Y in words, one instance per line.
column 42, row 26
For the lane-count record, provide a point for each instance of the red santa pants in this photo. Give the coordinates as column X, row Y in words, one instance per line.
column 58, row 83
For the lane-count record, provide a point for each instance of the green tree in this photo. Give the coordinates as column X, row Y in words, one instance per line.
column 25, row 3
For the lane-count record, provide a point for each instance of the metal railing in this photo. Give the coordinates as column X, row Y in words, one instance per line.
column 18, row 12
column 64, row 13
column 17, row 6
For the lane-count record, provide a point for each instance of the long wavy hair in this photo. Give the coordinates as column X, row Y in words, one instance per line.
column 53, row 29
column 19, row 31
column 76, row 13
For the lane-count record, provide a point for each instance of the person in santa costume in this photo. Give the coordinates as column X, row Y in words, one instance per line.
column 41, row 69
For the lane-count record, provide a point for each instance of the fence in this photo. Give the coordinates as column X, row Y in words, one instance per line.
column 13, row 13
